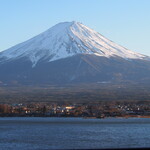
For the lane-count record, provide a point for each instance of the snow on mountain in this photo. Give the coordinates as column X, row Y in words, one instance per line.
column 65, row 40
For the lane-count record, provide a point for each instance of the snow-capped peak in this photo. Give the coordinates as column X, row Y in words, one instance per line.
column 64, row 40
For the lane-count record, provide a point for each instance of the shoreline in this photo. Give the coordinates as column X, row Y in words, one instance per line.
column 123, row 117
column 117, row 117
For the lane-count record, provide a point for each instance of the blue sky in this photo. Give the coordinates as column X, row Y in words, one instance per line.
column 126, row 22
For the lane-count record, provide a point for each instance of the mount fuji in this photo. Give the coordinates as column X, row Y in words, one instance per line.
column 71, row 52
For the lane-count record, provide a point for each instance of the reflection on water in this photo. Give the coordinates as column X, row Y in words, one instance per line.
column 63, row 133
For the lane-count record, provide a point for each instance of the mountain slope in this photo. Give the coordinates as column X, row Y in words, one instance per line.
column 76, row 69
column 70, row 52
column 65, row 40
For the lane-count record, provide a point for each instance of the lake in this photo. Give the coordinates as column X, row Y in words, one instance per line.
column 73, row 133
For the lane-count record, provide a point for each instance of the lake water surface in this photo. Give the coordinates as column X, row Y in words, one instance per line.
column 73, row 133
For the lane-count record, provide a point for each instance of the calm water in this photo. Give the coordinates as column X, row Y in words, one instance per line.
column 70, row 133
